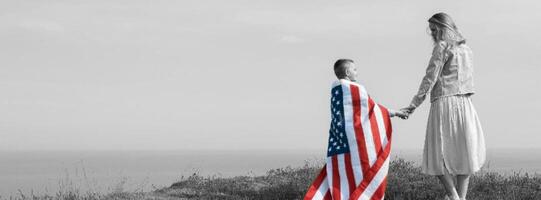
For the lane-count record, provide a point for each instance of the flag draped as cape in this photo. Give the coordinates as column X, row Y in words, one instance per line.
column 358, row 149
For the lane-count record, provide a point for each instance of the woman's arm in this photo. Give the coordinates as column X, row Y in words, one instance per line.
column 432, row 71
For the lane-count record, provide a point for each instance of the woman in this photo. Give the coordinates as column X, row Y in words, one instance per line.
column 454, row 143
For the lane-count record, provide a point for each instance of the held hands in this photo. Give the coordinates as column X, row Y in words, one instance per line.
column 401, row 114
column 404, row 113
column 398, row 113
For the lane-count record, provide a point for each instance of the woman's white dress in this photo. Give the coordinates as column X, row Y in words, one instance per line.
column 454, row 137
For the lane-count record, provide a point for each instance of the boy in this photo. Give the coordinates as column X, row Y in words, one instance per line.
column 359, row 142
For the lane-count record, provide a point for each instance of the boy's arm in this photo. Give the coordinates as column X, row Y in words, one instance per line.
column 392, row 113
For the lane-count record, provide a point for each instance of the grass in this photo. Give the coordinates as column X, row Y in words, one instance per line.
column 405, row 181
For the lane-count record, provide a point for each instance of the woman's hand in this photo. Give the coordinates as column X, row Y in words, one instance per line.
column 409, row 110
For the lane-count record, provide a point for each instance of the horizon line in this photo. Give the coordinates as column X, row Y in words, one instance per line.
column 230, row 150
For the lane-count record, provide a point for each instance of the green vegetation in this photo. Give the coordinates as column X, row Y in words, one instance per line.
column 405, row 181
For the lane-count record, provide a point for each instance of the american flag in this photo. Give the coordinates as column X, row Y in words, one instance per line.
column 358, row 149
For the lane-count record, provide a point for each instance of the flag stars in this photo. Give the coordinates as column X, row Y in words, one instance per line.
column 337, row 143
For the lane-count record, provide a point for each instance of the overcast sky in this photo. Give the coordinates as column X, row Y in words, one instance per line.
column 133, row 74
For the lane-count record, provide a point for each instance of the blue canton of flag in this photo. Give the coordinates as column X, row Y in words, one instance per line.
column 338, row 141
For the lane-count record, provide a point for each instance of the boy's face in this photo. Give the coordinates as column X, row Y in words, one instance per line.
column 351, row 71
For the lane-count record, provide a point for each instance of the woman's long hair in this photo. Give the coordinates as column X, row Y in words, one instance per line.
column 443, row 28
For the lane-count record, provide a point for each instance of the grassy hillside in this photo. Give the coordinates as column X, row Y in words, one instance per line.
column 405, row 181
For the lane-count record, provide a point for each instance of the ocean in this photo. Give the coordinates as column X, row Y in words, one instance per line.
column 41, row 172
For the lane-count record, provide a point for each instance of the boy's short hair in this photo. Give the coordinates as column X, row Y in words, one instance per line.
column 340, row 67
